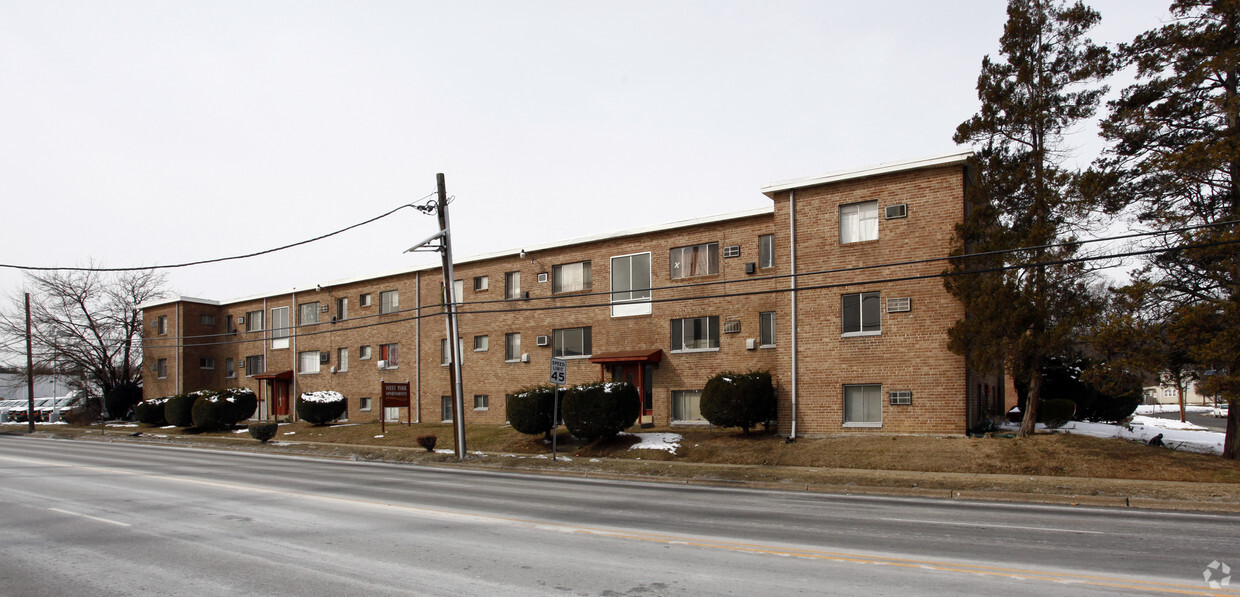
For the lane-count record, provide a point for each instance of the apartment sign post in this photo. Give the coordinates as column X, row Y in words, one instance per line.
column 392, row 395
column 559, row 375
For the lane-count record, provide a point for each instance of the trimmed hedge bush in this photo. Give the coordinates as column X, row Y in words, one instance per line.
column 179, row 409
column 151, row 412
column 600, row 409
column 211, row 412
column 428, row 442
column 529, row 410
column 1056, row 412
column 244, row 402
column 263, row 431
column 321, row 408
column 738, row 399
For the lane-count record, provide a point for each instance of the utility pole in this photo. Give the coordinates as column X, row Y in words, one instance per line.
column 29, row 370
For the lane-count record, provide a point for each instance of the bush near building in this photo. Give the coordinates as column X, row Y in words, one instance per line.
column 739, row 399
column 529, row 410
column 321, row 408
column 151, row 412
column 600, row 409
column 243, row 400
column 179, row 409
column 263, row 431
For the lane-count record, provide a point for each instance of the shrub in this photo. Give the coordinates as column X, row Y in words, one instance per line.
column 212, row 411
column 321, row 408
column 1056, row 412
column 121, row 399
column 243, row 402
column 600, row 409
column 263, row 431
column 87, row 411
column 428, row 442
column 179, row 409
column 151, row 412
column 529, row 410
column 739, row 399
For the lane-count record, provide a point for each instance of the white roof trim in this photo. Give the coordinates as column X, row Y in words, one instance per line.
column 177, row 299
column 946, row 159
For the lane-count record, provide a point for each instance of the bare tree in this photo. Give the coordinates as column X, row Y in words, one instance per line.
column 88, row 322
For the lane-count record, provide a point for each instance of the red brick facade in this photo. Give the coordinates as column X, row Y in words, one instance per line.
column 902, row 349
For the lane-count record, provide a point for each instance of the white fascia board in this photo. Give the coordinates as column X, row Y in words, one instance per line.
column 761, row 211
column 945, row 159
column 177, row 299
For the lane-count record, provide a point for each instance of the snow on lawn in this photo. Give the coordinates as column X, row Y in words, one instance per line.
column 656, row 441
column 1154, row 409
column 1176, row 435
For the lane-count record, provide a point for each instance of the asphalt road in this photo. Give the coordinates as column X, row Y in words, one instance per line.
column 86, row 518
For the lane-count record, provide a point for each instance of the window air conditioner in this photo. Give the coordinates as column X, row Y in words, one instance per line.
column 542, row 340
column 900, row 397
column 897, row 211
column 383, row 364
column 240, row 320
column 751, row 267
column 323, row 308
column 323, row 357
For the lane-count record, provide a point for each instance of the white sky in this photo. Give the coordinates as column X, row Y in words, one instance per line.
column 140, row 133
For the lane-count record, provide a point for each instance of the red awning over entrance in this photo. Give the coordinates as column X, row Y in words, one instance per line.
column 269, row 375
column 629, row 356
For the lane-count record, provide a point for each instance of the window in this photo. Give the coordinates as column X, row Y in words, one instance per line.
column 570, row 277
column 697, row 260
column 458, row 292
column 342, row 360
column 161, row 325
column 229, row 328
column 571, row 342
column 207, row 320
column 445, row 409
column 307, row 313
column 389, row 301
column 363, row 404
column 363, row 353
column 766, row 328
column 1168, row 393
column 482, row 343
column 206, row 363
column 253, row 365
column 630, row 283
column 482, row 402
column 161, row 368
column 230, row 368
column 685, row 406
column 766, row 251
column 254, row 321
column 308, row 362
column 695, row 333
column 860, row 314
column 512, row 347
column 389, row 354
column 364, row 299
column 858, row 222
column 512, row 285
column 481, row 283
column 279, row 327
column 445, row 356
column 863, row 406
column 342, row 309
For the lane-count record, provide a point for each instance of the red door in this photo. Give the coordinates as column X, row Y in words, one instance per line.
column 279, row 397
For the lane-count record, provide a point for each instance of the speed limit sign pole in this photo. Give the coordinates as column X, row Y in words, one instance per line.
column 559, row 374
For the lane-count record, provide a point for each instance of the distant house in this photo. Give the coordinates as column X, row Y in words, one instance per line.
column 803, row 286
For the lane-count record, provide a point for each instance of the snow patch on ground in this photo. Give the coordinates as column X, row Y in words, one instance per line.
column 1176, row 435
column 669, row 442
column 1154, row 409
column 122, row 424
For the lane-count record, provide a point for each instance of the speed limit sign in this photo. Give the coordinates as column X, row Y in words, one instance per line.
column 559, row 371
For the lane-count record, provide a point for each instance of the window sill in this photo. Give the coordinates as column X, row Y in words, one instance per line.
column 230, row 377
column 583, row 356
column 512, row 360
column 860, row 334
column 307, row 372
column 476, row 409
column 691, row 423
column 867, row 425
column 480, row 350
column 692, row 350
column 768, row 346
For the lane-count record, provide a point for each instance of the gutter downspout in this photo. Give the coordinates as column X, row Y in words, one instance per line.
column 792, row 211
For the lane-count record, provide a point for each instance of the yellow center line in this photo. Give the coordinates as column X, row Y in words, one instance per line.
column 734, row 546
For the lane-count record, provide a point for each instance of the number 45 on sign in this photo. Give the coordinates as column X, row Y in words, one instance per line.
column 559, row 371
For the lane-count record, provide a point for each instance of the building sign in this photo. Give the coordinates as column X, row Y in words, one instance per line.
column 395, row 395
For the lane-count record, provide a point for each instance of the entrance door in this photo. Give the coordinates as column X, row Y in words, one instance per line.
column 279, row 397
column 640, row 375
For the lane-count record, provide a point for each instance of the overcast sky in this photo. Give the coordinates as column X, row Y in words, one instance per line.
column 142, row 133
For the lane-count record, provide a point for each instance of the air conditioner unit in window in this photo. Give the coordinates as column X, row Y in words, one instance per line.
column 900, row 397
column 240, row 320
column 732, row 251
column 322, row 308
column 542, row 277
column 899, row 304
column 731, row 327
column 897, row 211
column 383, row 364
column 542, row 340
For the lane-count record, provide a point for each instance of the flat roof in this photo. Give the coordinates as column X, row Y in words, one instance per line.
column 177, row 299
column 944, row 159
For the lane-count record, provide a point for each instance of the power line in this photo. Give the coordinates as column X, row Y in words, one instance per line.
column 206, row 261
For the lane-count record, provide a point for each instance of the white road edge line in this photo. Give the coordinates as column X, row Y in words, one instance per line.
column 96, row 518
column 994, row 526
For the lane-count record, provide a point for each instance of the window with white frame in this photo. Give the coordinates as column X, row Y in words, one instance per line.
column 630, row 285
column 860, row 314
column 766, row 328
column 363, row 352
column 859, row 222
column 254, row 321
column 279, row 327
column 363, row 404
column 253, row 365
column 766, row 251
column 389, row 354
column 482, row 343
column 342, row 309
column 570, row 277
column 308, row 313
column 161, row 368
column 695, row 333
column 161, row 325
column 571, row 342
column 696, row 260
column 482, row 283
column 512, row 347
column 685, row 406
column 512, row 285
column 1168, row 393
column 308, row 361
column 342, row 360
column 482, row 402
column 364, row 299
column 206, row 363
column 389, row 301
column 445, row 409
column 230, row 368
column 863, row 405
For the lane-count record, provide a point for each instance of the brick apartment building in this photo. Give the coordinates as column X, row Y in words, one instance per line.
column 783, row 287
